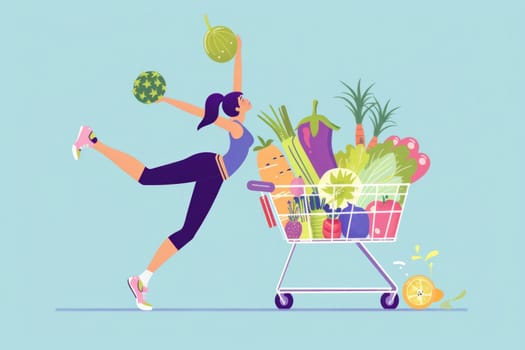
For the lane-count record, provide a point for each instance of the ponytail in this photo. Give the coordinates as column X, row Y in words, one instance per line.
column 211, row 109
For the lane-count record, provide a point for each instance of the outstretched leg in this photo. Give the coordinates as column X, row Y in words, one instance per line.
column 86, row 139
column 124, row 161
column 193, row 168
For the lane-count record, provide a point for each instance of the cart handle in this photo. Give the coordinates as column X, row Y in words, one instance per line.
column 260, row 186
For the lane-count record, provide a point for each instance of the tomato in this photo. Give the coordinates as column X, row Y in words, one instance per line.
column 384, row 218
column 423, row 163
column 332, row 227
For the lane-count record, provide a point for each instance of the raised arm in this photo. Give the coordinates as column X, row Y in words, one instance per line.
column 187, row 107
column 237, row 68
column 224, row 123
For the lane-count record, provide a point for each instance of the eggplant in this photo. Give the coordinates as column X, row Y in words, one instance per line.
column 315, row 135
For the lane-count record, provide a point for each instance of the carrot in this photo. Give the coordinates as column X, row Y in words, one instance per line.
column 359, row 103
column 381, row 119
column 274, row 167
column 359, row 135
column 372, row 143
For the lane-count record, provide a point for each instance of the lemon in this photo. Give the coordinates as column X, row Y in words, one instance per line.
column 419, row 292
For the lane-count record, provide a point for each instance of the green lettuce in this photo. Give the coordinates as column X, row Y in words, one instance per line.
column 353, row 158
column 380, row 170
column 405, row 166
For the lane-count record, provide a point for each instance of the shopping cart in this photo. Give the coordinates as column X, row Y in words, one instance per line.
column 373, row 217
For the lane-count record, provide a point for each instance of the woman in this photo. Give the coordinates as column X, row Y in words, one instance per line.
column 207, row 170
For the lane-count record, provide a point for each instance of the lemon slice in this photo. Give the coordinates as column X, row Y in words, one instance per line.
column 419, row 292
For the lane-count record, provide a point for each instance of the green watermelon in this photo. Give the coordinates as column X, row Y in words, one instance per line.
column 149, row 87
column 220, row 43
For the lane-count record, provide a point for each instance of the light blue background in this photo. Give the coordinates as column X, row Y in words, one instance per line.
column 72, row 232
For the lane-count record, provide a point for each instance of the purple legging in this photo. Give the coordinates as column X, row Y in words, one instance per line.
column 200, row 168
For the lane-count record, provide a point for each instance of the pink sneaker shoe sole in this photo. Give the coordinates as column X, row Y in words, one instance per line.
column 83, row 140
column 76, row 151
column 144, row 306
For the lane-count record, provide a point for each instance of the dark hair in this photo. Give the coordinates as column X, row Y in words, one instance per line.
column 211, row 109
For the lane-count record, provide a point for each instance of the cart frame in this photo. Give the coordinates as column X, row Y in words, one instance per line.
column 284, row 298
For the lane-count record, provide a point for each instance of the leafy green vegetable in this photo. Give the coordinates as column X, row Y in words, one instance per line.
column 355, row 158
column 372, row 193
column 381, row 149
column 405, row 166
column 388, row 164
column 380, row 170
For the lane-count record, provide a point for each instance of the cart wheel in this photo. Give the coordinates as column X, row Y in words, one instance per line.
column 387, row 302
column 283, row 301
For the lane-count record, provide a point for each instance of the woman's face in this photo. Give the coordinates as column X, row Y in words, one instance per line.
column 244, row 104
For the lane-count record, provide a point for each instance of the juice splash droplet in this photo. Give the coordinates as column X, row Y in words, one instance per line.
column 447, row 304
column 431, row 255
